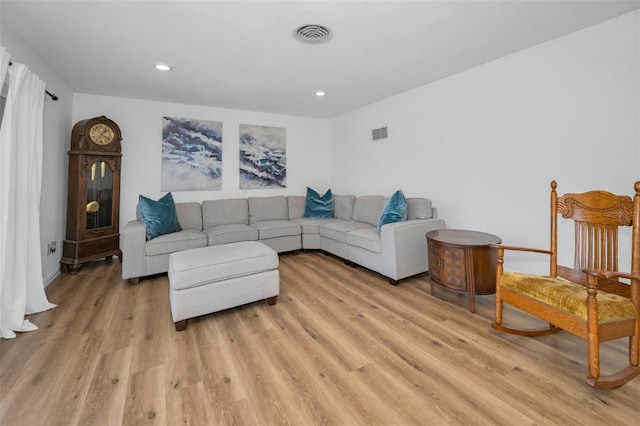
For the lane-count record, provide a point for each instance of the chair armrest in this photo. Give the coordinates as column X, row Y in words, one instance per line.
column 599, row 273
column 500, row 249
column 611, row 284
column 404, row 246
column 134, row 257
column 514, row 248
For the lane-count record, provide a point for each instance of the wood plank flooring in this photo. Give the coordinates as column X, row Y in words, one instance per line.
column 341, row 347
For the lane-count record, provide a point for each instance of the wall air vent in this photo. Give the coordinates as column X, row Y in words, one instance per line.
column 379, row 134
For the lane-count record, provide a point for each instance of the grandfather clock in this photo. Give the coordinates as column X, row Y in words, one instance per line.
column 93, row 201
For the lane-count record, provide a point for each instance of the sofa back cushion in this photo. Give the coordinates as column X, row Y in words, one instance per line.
column 296, row 205
column 419, row 208
column 343, row 206
column 190, row 215
column 367, row 209
column 268, row 208
column 225, row 212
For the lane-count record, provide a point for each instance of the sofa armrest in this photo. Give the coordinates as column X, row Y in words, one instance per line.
column 134, row 257
column 404, row 246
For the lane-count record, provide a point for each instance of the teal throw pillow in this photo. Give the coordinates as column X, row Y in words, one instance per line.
column 318, row 207
column 160, row 216
column 395, row 210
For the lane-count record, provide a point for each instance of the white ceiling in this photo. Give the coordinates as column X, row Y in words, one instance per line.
column 242, row 55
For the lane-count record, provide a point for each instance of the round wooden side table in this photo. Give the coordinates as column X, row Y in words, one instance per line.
column 463, row 261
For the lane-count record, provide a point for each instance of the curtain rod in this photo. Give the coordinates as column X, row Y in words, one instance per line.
column 53, row 95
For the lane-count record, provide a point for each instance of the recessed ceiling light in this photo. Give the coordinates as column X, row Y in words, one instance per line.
column 163, row 67
column 320, row 93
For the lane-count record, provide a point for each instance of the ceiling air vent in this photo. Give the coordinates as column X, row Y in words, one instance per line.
column 312, row 34
column 379, row 134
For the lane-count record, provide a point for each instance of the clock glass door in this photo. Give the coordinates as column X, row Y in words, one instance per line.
column 99, row 195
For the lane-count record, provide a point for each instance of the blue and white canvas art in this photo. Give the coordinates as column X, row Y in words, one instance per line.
column 263, row 157
column 191, row 154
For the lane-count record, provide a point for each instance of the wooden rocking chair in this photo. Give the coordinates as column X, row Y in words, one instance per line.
column 586, row 300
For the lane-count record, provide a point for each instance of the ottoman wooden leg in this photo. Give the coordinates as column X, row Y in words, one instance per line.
column 181, row 325
column 272, row 300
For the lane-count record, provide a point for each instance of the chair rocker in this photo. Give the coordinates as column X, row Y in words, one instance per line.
column 587, row 300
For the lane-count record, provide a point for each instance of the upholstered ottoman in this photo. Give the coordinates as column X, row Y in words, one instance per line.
column 210, row 279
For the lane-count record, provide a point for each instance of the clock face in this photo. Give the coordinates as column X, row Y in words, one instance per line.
column 101, row 134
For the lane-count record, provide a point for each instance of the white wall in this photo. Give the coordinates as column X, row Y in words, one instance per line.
column 485, row 143
column 141, row 125
column 57, row 128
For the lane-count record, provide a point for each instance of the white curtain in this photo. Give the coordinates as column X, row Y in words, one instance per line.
column 21, row 147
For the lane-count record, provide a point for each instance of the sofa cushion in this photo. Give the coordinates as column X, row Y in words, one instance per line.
column 190, row 215
column 318, row 206
column 267, row 208
column 367, row 209
column 296, row 206
column 160, row 216
column 225, row 212
column 230, row 233
column 176, row 241
column 338, row 230
column 311, row 226
column 218, row 263
column 367, row 238
column 343, row 206
column 276, row 228
column 395, row 210
column 419, row 208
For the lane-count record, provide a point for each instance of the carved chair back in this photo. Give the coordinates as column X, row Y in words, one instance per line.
column 597, row 217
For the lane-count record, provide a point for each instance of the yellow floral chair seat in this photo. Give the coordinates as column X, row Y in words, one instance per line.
column 569, row 297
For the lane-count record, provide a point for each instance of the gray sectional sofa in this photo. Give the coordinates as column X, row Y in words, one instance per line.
column 398, row 251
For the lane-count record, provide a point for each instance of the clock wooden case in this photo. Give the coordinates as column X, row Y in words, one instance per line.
column 93, row 201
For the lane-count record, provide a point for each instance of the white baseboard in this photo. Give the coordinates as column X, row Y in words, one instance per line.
column 49, row 278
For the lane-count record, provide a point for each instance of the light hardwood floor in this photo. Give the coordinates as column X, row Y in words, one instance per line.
column 340, row 347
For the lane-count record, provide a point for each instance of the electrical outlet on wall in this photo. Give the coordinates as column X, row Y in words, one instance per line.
column 51, row 248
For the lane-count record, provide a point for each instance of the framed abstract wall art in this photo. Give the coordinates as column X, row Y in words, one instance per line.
column 191, row 154
column 263, row 157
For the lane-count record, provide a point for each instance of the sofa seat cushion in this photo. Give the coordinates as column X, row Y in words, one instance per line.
column 276, row 228
column 193, row 268
column 176, row 241
column 569, row 297
column 367, row 238
column 338, row 230
column 311, row 226
column 230, row 233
